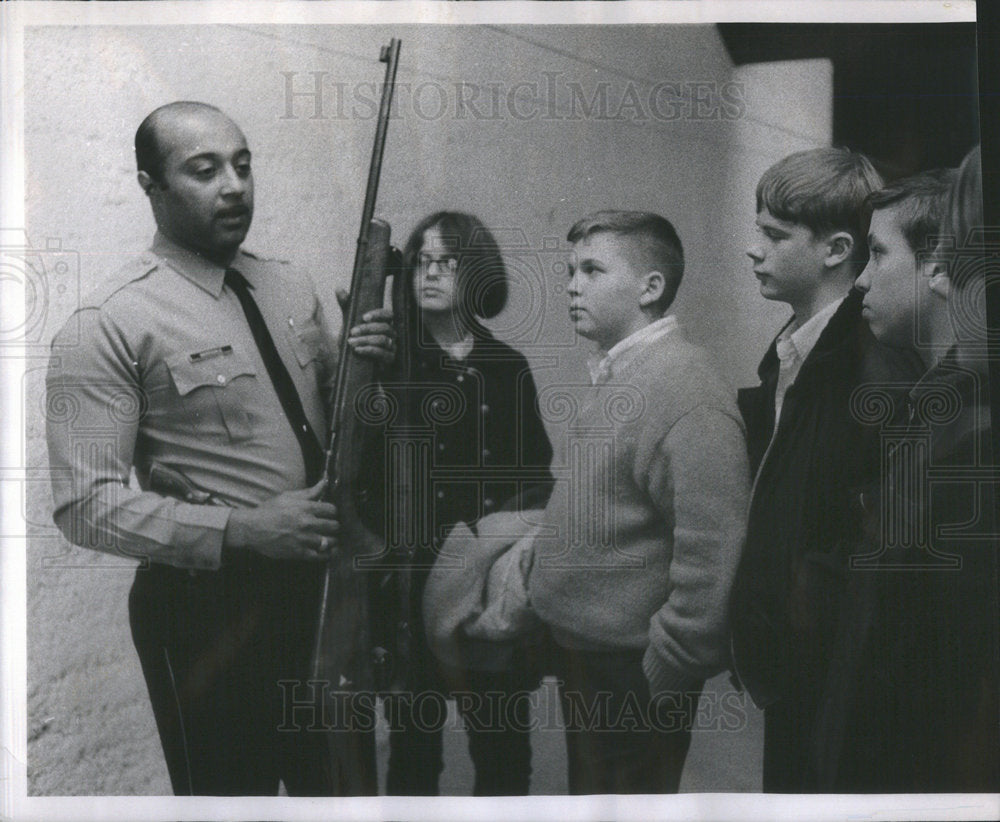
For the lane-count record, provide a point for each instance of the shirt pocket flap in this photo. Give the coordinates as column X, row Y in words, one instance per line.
column 307, row 341
column 218, row 369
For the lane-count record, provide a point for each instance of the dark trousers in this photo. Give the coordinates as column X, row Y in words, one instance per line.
column 802, row 730
column 788, row 727
column 496, row 712
column 618, row 739
column 222, row 653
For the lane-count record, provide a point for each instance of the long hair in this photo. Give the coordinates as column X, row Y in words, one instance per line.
column 481, row 277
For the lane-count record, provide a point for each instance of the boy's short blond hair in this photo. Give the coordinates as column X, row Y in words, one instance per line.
column 823, row 189
column 658, row 247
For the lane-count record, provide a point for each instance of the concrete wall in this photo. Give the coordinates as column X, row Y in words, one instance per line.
column 790, row 108
column 527, row 169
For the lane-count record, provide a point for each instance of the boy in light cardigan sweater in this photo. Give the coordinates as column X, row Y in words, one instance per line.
column 639, row 546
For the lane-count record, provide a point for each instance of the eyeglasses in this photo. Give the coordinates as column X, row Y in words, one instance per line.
column 446, row 265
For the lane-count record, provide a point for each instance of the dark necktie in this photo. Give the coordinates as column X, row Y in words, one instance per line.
column 312, row 452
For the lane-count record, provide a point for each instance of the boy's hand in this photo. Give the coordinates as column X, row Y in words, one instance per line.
column 374, row 337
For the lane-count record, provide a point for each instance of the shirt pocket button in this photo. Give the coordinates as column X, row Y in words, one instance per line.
column 214, row 390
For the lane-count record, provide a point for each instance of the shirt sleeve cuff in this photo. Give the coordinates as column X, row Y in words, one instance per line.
column 207, row 527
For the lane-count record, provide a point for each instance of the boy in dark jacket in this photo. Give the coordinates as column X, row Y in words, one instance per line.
column 810, row 455
column 926, row 716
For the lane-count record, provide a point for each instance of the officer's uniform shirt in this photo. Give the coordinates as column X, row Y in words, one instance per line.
column 159, row 364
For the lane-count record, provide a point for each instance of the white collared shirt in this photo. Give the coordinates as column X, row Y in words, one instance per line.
column 599, row 364
column 793, row 347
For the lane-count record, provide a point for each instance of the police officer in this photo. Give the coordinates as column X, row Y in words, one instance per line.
column 212, row 363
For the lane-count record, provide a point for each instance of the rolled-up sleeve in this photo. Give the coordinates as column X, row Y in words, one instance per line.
column 94, row 408
column 700, row 471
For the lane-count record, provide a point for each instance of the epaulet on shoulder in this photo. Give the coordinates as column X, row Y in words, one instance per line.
column 135, row 269
column 262, row 259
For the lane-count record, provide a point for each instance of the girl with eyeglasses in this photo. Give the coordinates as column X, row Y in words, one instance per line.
column 489, row 446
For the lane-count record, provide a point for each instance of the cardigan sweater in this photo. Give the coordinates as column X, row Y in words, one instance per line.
column 641, row 537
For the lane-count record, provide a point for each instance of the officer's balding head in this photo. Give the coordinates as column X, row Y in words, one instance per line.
column 194, row 165
column 148, row 151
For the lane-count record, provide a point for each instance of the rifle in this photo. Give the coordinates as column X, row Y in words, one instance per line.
column 342, row 664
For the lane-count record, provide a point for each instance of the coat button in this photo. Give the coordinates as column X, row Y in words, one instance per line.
column 221, row 379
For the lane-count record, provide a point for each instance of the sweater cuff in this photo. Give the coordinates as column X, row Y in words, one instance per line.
column 662, row 678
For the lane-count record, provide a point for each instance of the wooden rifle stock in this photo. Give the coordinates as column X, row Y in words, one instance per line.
column 342, row 654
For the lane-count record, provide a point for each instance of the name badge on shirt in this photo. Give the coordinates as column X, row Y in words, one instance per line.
column 210, row 353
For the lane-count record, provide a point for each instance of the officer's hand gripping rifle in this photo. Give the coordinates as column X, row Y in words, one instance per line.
column 341, row 666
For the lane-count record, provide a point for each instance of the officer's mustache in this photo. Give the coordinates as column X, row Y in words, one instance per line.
column 233, row 211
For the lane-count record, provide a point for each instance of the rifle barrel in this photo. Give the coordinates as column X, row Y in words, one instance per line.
column 389, row 56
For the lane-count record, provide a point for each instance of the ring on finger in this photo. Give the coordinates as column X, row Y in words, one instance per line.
column 324, row 545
